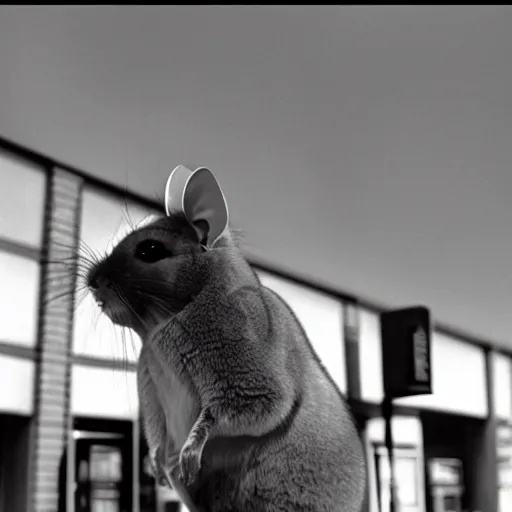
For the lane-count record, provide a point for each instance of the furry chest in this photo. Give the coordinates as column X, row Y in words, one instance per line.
column 178, row 404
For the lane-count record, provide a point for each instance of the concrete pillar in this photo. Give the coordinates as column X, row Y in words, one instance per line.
column 53, row 358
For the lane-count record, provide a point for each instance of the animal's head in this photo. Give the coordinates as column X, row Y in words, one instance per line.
column 158, row 268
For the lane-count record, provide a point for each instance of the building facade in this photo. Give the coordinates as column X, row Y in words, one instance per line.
column 70, row 435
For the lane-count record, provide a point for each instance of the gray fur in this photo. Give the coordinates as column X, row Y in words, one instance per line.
column 228, row 380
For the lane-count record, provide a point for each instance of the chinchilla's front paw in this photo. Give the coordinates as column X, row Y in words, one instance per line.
column 161, row 466
column 190, row 461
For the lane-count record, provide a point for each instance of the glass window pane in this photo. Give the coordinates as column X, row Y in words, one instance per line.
column 105, row 220
column 105, row 463
column 104, row 393
column 19, row 298
column 322, row 319
column 22, row 198
column 16, row 385
column 502, row 386
column 370, row 356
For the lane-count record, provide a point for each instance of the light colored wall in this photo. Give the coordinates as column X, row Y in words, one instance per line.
column 16, row 385
column 458, row 379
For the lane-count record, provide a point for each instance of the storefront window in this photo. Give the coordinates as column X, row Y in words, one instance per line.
column 16, row 385
column 22, row 199
column 19, row 299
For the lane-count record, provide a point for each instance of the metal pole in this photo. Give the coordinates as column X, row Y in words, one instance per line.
column 387, row 409
column 70, row 465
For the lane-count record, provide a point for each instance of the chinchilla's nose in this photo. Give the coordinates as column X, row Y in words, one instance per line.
column 97, row 279
column 94, row 282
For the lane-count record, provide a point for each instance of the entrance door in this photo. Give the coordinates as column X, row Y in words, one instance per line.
column 102, row 473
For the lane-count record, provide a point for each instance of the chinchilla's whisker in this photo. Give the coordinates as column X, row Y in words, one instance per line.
column 57, row 296
column 63, row 272
column 121, row 297
column 162, row 301
column 126, row 214
column 80, row 295
column 69, row 261
column 84, row 247
column 68, row 247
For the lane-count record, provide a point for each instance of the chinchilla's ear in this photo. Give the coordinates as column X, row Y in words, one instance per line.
column 197, row 196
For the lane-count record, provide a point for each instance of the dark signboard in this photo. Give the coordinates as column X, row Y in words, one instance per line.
column 406, row 335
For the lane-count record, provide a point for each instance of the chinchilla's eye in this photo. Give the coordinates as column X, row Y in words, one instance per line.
column 151, row 251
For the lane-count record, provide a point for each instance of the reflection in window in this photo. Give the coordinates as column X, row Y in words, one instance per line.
column 105, row 463
column 83, row 471
column 504, row 456
column 106, row 219
column 19, row 296
column 105, row 477
column 22, row 197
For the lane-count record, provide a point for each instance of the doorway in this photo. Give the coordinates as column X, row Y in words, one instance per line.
column 456, row 478
column 14, row 457
column 103, row 466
